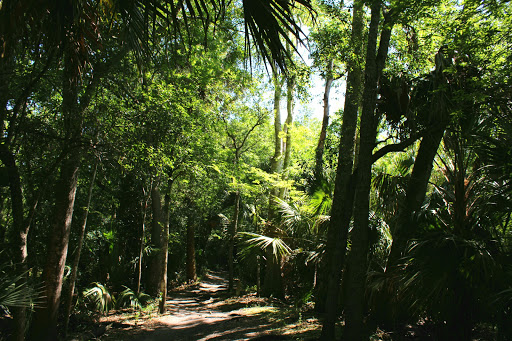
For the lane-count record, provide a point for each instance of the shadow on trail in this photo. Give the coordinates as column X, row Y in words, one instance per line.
column 199, row 312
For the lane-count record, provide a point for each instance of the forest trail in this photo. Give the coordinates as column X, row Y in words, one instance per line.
column 203, row 311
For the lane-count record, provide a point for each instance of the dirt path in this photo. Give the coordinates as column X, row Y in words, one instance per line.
column 200, row 312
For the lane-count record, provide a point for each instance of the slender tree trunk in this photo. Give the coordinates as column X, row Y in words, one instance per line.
column 258, row 275
column 45, row 327
column 341, row 211
column 157, row 228
column 165, row 248
column 289, row 122
column 46, row 318
column 21, row 229
column 357, row 265
column 232, row 234
column 276, row 161
column 319, row 153
column 142, row 233
column 76, row 260
column 287, row 145
column 273, row 284
column 191, row 252
column 415, row 194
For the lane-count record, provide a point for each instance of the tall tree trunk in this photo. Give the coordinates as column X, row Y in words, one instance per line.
column 76, row 260
column 357, row 265
column 165, row 247
column 273, row 284
column 21, row 229
column 289, row 122
column 46, row 318
column 45, row 325
column 415, row 194
column 287, row 129
column 341, row 211
column 319, row 153
column 157, row 227
column 276, row 161
column 232, row 233
column 191, row 252
column 142, row 233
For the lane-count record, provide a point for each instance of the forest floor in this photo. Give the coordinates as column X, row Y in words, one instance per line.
column 205, row 311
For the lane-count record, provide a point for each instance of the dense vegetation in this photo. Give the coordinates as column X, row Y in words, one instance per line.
column 143, row 142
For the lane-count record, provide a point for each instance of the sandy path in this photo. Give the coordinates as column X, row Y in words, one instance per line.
column 196, row 313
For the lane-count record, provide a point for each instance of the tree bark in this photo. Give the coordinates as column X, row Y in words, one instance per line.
column 276, row 161
column 404, row 227
column 21, row 229
column 341, row 211
column 157, row 228
column 76, row 260
column 232, row 234
column 289, row 122
column 415, row 194
column 46, row 318
column 357, row 265
column 165, row 247
column 142, row 233
column 273, row 284
column 191, row 253
column 45, row 327
column 287, row 130
column 319, row 153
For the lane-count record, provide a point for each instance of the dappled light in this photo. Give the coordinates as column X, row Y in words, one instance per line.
column 255, row 170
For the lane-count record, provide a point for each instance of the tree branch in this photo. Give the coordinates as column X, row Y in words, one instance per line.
column 395, row 147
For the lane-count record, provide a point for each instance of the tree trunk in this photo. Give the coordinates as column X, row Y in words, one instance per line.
column 191, row 253
column 142, row 233
column 273, row 283
column 157, row 228
column 287, row 146
column 21, row 229
column 319, row 153
column 276, row 161
column 357, row 265
column 165, row 248
column 45, row 325
column 341, row 211
column 289, row 122
column 404, row 228
column 232, row 234
column 74, row 269
column 46, row 318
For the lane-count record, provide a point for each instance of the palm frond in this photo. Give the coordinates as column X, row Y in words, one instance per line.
column 292, row 215
column 128, row 298
column 270, row 23
column 279, row 247
column 15, row 291
column 100, row 298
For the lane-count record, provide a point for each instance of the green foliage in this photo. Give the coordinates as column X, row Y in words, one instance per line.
column 99, row 298
column 257, row 241
column 15, row 291
column 131, row 299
